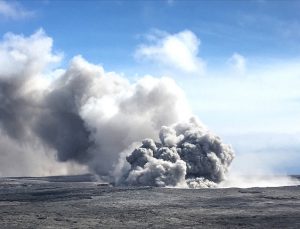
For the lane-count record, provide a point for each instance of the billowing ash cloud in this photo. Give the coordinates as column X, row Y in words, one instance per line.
column 22, row 63
column 79, row 116
column 83, row 118
column 187, row 155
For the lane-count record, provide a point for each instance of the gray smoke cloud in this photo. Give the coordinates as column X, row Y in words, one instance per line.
column 188, row 155
column 74, row 119
column 55, row 121
column 83, row 119
column 22, row 63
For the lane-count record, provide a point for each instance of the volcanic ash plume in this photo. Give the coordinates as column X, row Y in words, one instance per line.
column 53, row 121
column 188, row 155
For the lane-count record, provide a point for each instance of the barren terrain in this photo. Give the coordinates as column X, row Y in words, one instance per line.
column 81, row 202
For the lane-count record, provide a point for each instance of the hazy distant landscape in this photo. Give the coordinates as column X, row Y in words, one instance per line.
column 82, row 202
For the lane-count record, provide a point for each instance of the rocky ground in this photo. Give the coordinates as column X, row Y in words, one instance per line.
column 81, row 202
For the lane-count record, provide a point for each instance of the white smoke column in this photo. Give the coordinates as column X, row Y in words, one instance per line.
column 82, row 118
column 83, row 115
column 23, row 61
column 188, row 156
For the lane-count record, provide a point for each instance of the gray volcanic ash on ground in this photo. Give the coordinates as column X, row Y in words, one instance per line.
column 80, row 202
column 60, row 121
column 188, row 155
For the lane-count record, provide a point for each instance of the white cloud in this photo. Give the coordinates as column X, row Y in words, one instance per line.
column 238, row 63
column 178, row 51
column 13, row 10
column 26, row 54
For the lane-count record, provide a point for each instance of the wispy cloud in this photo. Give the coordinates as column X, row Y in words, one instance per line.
column 179, row 51
column 238, row 63
column 14, row 10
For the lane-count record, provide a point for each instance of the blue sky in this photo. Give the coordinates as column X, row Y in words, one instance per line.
column 243, row 76
column 110, row 30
